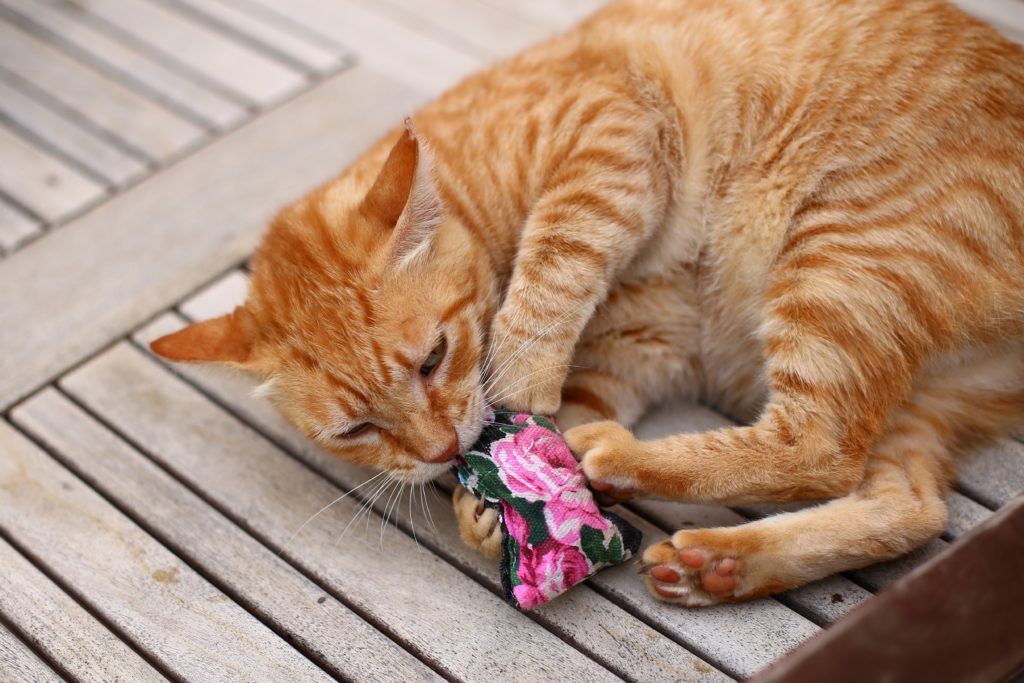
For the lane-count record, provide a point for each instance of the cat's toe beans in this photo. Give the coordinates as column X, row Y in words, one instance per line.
column 692, row 557
column 721, row 577
column 665, row 574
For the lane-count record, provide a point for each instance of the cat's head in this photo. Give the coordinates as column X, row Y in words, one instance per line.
column 365, row 318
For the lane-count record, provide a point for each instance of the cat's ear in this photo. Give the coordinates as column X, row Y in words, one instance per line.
column 405, row 196
column 227, row 339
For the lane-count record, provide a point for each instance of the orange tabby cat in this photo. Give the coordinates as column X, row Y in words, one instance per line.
column 807, row 213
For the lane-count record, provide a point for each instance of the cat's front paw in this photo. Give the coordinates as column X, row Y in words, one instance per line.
column 479, row 525
column 607, row 452
column 525, row 379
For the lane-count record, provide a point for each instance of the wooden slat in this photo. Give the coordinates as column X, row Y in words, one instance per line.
column 44, row 184
column 402, row 52
column 739, row 641
column 130, row 64
column 557, row 15
column 233, row 66
column 181, row 620
column 19, row 663
column 15, row 228
column 481, row 30
column 597, row 626
column 340, row 641
column 218, row 298
column 103, row 159
column 155, row 247
column 407, row 589
column 61, row 629
column 995, row 474
column 299, row 50
column 110, row 105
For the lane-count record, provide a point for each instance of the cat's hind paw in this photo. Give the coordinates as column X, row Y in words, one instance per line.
column 479, row 525
column 708, row 566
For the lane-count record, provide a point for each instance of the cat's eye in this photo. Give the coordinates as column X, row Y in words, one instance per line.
column 435, row 358
column 355, row 431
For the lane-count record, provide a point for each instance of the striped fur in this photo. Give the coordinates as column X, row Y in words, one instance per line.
column 807, row 213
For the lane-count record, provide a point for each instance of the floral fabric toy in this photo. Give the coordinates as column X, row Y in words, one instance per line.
column 555, row 536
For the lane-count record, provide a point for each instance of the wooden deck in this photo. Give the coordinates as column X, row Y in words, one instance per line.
column 155, row 522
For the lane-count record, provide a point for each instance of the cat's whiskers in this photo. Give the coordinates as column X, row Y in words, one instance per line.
column 325, row 508
column 506, row 366
column 493, row 400
column 366, row 504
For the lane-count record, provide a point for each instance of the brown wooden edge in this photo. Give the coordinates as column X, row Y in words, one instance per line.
column 958, row 617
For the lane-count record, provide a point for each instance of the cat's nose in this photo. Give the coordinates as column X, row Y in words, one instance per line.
column 449, row 452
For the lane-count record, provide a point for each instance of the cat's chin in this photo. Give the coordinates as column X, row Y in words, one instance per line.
column 423, row 472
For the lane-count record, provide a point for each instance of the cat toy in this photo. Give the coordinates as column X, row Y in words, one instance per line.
column 554, row 533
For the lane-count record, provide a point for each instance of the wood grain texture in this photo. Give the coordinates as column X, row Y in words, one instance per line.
column 19, row 663
column 233, row 66
column 110, row 105
column 218, row 298
column 402, row 52
column 129, row 63
column 339, row 640
column 595, row 625
column 16, row 228
column 299, row 51
column 63, row 630
column 67, row 307
column 407, row 589
column 49, row 187
column 481, row 30
column 113, row 165
column 180, row 619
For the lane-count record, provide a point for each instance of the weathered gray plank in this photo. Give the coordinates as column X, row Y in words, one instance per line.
column 339, row 639
column 558, row 15
column 482, row 30
column 110, row 105
column 145, row 73
column 86, row 148
column 179, row 618
column 300, row 50
column 67, row 307
column 16, row 228
column 43, row 183
column 19, row 663
column 402, row 52
column 995, row 474
column 61, row 629
column 405, row 587
column 232, row 65
column 583, row 617
column 739, row 638
column 218, row 298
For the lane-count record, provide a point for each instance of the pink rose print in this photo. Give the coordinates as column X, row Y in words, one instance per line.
column 535, row 464
column 518, row 528
column 546, row 571
column 570, row 509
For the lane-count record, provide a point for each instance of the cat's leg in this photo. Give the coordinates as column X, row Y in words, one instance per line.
column 898, row 507
column 604, row 200
column 842, row 346
column 638, row 349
